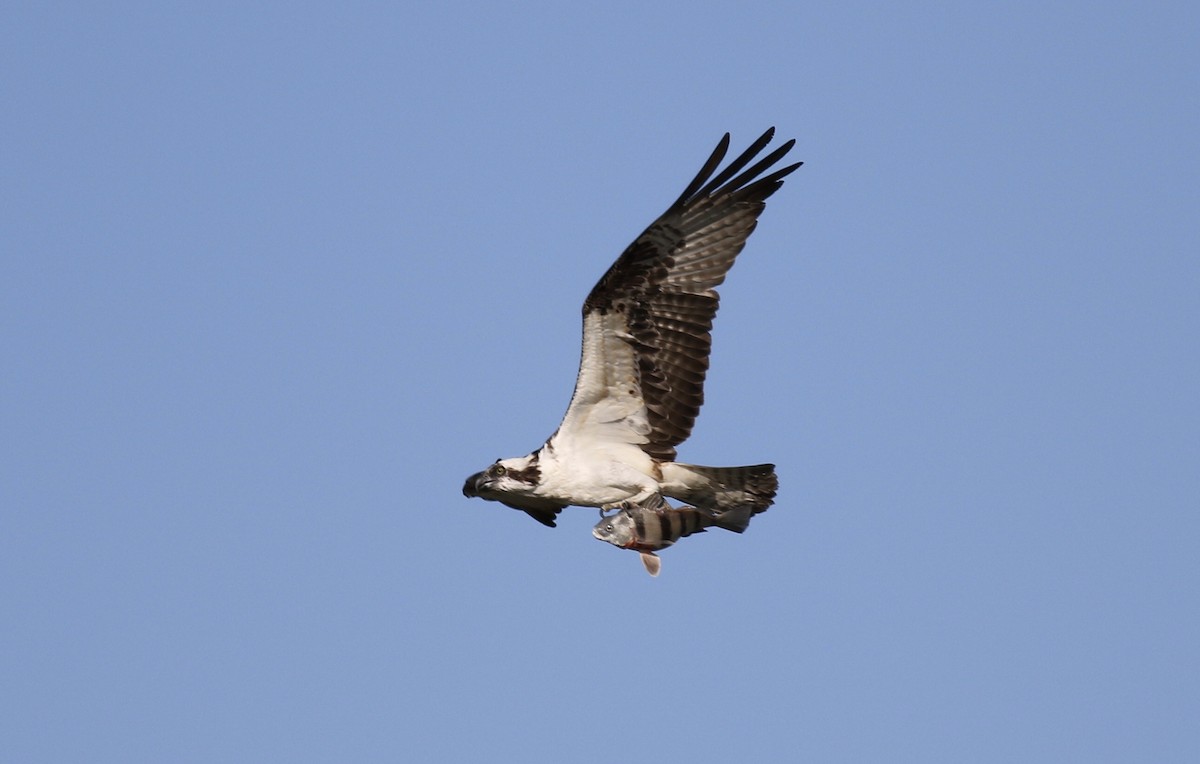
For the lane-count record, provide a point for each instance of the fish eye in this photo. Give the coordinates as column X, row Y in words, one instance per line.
column 609, row 527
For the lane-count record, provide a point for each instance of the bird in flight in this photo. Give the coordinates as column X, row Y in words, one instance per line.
column 646, row 343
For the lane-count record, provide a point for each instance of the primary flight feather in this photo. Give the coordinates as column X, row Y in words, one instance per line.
column 646, row 343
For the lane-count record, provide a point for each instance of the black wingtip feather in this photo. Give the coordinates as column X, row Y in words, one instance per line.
column 742, row 160
column 710, row 166
column 759, row 166
column 707, row 184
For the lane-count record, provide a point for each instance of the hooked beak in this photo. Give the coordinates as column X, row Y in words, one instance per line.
column 476, row 485
column 471, row 487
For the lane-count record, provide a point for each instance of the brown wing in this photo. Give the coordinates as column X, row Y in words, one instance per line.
column 660, row 295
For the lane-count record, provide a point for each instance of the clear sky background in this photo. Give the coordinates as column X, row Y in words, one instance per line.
column 276, row 279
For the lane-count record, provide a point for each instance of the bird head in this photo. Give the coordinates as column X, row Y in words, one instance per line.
column 505, row 477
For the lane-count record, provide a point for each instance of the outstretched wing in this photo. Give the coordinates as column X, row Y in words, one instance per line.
column 647, row 323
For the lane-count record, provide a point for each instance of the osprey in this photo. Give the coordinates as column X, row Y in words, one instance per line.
column 646, row 342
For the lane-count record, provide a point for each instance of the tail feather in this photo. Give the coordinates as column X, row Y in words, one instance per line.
column 723, row 490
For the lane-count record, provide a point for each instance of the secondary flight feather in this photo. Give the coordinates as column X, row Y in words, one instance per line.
column 646, row 344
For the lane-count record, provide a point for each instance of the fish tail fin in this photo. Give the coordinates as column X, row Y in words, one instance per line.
column 736, row 520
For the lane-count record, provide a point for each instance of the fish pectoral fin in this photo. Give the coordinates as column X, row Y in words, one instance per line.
column 652, row 563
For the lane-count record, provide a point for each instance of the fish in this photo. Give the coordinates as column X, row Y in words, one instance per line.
column 655, row 525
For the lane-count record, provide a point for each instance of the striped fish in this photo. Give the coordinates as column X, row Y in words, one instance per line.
column 647, row 528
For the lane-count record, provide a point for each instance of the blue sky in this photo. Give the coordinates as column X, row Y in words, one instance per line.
column 278, row 278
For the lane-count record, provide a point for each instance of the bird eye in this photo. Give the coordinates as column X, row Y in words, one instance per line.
column 498, row 470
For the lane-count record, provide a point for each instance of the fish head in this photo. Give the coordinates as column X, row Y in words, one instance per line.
column 618, row 530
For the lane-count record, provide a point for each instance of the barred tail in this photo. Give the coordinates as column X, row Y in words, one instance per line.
column 732, row 494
